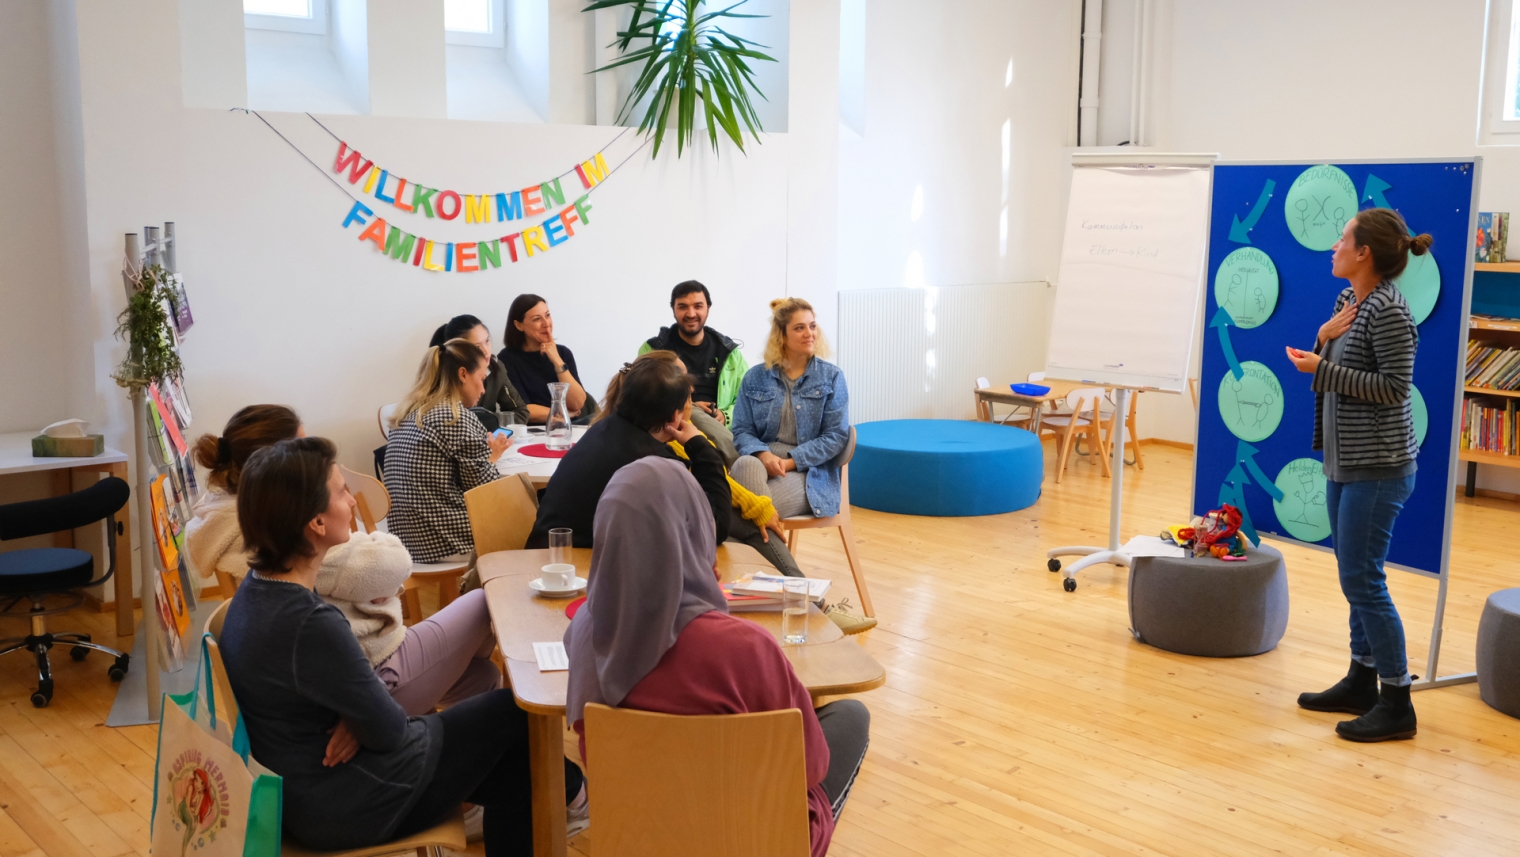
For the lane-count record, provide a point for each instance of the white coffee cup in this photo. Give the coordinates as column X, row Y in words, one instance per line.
column 557, row 575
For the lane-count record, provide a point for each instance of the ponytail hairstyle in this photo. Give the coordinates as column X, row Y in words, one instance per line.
column 782, row 310
column 457, row 327
column 284, row 488
column 1384, row 232
column 649, row 390
column 609, row 403
column 249, row 430
column 438, row 379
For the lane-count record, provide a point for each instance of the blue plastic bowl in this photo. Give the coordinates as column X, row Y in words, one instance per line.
column 1029, row 389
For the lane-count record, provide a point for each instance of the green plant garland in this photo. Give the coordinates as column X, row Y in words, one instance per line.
column 688, row 57
column 144, row 325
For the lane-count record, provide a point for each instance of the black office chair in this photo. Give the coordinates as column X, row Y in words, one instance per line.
column 36, row 573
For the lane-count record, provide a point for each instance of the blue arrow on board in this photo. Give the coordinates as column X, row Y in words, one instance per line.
column 1246, row 454
column 1223, row 321
column 1240, row 231
column 1232, row 492
column 1374, row 191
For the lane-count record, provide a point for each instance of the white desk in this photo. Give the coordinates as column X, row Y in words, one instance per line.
column 16, row 457
column 538, row 469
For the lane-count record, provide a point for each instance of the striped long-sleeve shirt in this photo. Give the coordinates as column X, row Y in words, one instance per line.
column 1373, row 421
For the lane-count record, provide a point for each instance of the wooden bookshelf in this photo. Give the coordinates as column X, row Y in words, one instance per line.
column 1503, row 326
column 1497, row 459
column 1490, row 391
column 1498, row 267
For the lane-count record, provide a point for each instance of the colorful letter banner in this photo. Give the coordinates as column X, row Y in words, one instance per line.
column 472, row 256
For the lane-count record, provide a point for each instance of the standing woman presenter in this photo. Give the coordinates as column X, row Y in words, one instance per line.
column 1363, row 363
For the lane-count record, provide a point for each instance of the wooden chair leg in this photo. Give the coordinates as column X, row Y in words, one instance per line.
column 1066, row 444
column 1134, row 438
column 791, row 542
column 411, row 606
column 847, row 535
column 448, row 590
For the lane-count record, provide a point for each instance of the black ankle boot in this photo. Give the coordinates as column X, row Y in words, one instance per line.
column 1390, row 720
column 1357, row 693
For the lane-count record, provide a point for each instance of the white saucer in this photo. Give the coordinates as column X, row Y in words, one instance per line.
column 576, row 586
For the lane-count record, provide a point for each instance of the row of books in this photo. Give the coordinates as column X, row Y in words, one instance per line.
column 1489, row 429
column 1492, row 366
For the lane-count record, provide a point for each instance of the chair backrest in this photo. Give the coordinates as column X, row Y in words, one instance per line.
column 1084, row 398
column 982, row 383
column 221, row 686
column 502, row 513
column 373, row 502
column 733, row 784
column 384, row 416
column 1036, row 376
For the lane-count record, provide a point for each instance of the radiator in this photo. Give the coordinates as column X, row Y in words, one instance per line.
column 916, row 353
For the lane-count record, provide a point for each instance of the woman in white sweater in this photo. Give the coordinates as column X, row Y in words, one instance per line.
column 440, row 660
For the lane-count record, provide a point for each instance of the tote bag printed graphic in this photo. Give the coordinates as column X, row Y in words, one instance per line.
column 198, row 795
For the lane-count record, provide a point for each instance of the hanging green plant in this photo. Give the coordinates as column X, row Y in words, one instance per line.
column 144, row 325
column 687, row 56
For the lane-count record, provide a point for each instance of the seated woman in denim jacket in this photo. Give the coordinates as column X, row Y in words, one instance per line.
column 792, row 417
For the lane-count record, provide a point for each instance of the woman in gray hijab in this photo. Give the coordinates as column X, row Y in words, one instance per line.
column 655, row 634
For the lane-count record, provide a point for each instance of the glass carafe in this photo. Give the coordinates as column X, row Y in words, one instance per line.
column 557, row 427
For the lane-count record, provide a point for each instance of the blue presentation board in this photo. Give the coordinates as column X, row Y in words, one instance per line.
column 1271, row 228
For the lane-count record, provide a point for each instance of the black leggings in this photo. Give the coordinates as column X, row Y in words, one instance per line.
column 484, row 760
column 846, row 725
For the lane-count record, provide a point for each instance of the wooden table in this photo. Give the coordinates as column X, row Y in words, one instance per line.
column 16, row 457
column 538, row 469
column 985, row 396
column 828, row 663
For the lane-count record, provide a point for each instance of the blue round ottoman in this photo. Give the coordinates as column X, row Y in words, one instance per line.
column 945, row 468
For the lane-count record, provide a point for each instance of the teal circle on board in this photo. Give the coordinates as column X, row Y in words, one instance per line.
column 1421, row 285
column 1421, row 417
column 1318, row 205
column 1246, row 286
column 1302, row 510
column 1252, row 405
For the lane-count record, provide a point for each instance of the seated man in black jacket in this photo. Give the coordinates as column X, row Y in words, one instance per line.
column 651, row 397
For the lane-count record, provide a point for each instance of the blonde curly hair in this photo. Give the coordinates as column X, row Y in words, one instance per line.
column 782, row 310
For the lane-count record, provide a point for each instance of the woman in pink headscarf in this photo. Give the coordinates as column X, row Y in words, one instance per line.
column 655, row 634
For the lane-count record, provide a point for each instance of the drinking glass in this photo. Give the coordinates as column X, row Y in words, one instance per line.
column 559, row 545
column 794, row 611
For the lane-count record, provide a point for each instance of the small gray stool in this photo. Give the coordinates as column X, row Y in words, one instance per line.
column 1499, row 652
column 1209, row 607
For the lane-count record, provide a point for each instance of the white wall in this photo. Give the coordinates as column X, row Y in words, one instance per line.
column 958, row 178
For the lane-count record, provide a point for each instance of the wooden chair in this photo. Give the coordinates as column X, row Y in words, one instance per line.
column 1129, row 433
column 372, row 504
column 1012, row 418
column 841, row 521
column 1083, row 420
column 502, row 513
column 450, row 834
column 731, row 784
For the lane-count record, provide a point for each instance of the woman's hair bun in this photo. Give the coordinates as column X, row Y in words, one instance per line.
column 778, row 302
column 1419, row 244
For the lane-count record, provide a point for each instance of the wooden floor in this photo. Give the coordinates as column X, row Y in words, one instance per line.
column 1017, row 718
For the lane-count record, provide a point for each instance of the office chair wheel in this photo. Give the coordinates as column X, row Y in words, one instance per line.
column 1069, row 584
column 79, row 653
column 43, row 694
column 1053, row 564
column 118, row 670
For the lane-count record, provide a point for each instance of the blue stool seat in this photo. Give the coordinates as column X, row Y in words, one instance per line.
column 44, row 570
column 945, row 468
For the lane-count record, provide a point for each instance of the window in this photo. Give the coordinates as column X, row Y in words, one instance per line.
column 480, row 23
column 1499, row 119
column 295, row 16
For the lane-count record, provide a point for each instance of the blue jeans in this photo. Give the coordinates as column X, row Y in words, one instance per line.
column 1361, row 521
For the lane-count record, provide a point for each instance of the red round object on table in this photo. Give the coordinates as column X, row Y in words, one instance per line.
column 539, row 450
column 573, row 606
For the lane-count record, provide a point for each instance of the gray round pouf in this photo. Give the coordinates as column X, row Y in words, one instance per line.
column 1499, row 652
column 1209, row 607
